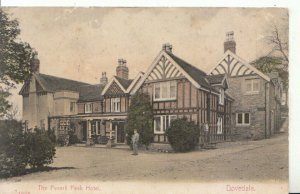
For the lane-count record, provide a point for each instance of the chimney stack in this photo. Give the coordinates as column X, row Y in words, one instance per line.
column 35, row 63
column 167, row 47
column 103, row 79
column 230, row 44
column 122, row 70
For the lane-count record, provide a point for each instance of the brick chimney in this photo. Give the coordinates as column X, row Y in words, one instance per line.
column 230, row 44
column 122, row 70
column 103, row 79
column 167, row 47
column 35, row 63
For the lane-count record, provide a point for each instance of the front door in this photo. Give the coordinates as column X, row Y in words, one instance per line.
column 120, row 131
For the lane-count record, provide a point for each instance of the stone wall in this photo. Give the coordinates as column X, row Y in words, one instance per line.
column 254, row 103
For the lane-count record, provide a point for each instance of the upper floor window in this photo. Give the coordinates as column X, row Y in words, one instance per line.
column 115, row 105
column 165, row 90
column 163, row 122
column 72, row 106
column 252, row 85
column 221, row 96
column 243, row 118
column 88, row 107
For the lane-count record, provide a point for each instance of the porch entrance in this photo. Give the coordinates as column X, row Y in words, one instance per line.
column 119, row 128
column 84, row 130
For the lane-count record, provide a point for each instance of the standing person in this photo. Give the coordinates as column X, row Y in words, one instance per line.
column 206, row 135
column 135, row 141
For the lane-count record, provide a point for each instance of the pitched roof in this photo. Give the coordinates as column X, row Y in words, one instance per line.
column 90, row 93
column 215, row 79
column 51, row 83
column 124, row 82
column 197, row 74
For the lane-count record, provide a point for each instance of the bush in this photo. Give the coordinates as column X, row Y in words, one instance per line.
column 52, row 136
column 183, row 135
column 63, row 140
column 73, row 139
column 40, row 149
column 13, row 158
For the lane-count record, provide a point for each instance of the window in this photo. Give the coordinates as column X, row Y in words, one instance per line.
column 243, row 118
column 165, row 90
column 220, row 125
column 72, row 106
column 221, row 96
column 88, row 108
column 115, row 105
column 163, row 122
column 252, row 85
column 64, row 126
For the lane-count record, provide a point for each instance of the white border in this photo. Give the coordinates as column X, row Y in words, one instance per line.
column 294, row 8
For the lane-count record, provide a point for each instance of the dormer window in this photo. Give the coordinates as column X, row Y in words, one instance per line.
column 88, row 107
column 221, row 96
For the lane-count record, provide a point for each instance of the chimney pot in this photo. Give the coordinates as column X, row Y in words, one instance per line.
column 230, row 44
column 167, row 47
column 103, row 79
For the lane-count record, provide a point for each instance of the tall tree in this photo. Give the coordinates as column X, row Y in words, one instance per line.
column 140, row 117
column 277, row 59
column 15, row 59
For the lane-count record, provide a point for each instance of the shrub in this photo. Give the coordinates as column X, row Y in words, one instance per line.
column 72, row 137
column 63, row 140
column 140, row 117
column 13, row 158
column 183, row 135
column 39, row 148
column 52, row 136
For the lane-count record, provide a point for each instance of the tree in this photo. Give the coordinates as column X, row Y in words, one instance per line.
column 16, row 58
column 13, row 155
column 277, row 59
column 183, row 135
column 140, row 117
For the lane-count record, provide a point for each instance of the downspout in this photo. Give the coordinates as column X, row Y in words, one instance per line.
column 266, row 110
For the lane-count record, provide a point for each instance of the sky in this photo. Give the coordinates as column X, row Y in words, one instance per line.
column 81, row 43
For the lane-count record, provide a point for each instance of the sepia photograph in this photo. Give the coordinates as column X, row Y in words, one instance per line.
column 119, row 96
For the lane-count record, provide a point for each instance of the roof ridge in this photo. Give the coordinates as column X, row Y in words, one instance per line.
column 63, row 78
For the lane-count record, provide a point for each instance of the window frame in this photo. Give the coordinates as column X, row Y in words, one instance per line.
column 252, row 82
column 113, row 103
column 160, row 87
column 221, row 96
column 243, row 119
column 72, row 107
column 88, row 107
column 219, row 125
column 163, row 124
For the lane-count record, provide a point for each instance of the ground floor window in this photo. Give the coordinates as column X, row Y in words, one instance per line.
column 219, row 125
column 243, row 118
column 64, row 126
column 162, row 122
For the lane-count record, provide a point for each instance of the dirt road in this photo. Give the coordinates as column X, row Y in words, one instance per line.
column 253, row 160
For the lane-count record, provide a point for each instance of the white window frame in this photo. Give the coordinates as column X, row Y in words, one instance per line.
column 243, row 119
column 163, row 122
column 115, row 104
column 88, row 107
column 219, row 125
column 72, row 107
column 221, row 96
column 252, row 82
column 161, row 85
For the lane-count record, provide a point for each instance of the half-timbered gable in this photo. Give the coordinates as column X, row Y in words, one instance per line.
column 178, row 89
